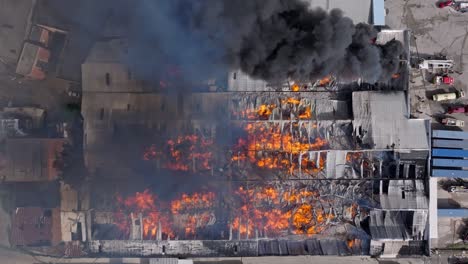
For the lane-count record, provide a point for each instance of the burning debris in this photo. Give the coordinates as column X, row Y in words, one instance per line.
column 179, row 217
column 258, row 211
column 183, row 153
column 279, row 108
column 275, row 147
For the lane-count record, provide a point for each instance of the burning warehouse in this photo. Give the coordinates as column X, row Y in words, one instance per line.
column 249, row 170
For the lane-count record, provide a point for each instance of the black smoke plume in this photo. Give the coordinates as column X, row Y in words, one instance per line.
column 267, row 39
column 271, row 40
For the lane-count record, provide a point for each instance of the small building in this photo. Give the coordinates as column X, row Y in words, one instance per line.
column 73, row 221
column 34, row 114
column 35, row 226
column 30, row 159
column 381, row 122
column 41, row 52
column 33, row 61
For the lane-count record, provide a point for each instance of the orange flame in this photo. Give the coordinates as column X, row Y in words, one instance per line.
column 350, row 243
column 268, row 147
column 295, row 88
column 291, row 100
column 353, row 157
column 275, row 211
column 194, row 210
column 143, row 203
column 306, row 114
column 262, row 112
column 267, row 211
column 326, row 80
column 194, row 201
column 184, row 152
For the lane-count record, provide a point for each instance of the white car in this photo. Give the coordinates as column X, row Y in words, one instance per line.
column 453, row 122
column 458, row 189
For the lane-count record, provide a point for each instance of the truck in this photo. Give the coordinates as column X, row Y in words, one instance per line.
column 461, row 7
column 453, row 122
column 436, row 64
column 448, row 96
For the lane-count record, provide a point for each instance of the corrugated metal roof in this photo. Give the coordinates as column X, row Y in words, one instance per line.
column 400, row 225
column 74, row 249
column 36, row 164
column 31, row 226
column 405, row 194
column 387, row 225
column 450, row 153
column 450, row 173
column 449, row 134
column 239, row 81
column 450, row 163
column 380, row 119
column 444, row 143
column 27, row 59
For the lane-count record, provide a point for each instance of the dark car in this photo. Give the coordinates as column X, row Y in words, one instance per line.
column 457, row 109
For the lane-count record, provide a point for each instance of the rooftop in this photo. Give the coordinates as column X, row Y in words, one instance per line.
column 381, row 121
column 30, row 159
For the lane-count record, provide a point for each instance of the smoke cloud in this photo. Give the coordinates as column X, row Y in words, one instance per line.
column 267, row 39
column 271, row 40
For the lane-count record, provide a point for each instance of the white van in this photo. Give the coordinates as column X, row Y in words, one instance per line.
column 448, row 96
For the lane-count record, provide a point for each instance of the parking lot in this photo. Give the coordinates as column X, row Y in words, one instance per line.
column 437, row 32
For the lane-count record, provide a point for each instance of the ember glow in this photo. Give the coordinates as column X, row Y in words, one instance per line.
column 262, row 112
column 181, row 216
column 295, row 88
column 268, row 147
column 183, row 153
column 290, row 108
column 271, row 211
column 258, row 211
column 144, row 204
column 325, row 81
column 252, row 211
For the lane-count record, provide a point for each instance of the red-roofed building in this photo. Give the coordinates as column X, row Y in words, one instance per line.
column 35, row 226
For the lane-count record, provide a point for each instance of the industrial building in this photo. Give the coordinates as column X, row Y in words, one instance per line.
column 359, row 165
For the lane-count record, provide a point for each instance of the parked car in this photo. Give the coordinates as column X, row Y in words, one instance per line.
column 445, row 79
column 448, row 96
column 458, row 189
column 457, row 109
column 453, row 122
column 445, row 3
column 461, row 7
